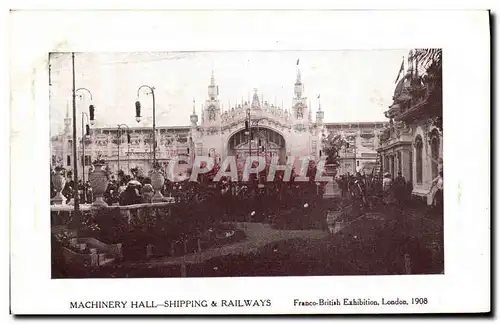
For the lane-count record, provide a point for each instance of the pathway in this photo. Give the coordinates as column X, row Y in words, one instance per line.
column 258, row 235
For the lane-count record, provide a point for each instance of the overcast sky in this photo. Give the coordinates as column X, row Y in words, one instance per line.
column 354, row 85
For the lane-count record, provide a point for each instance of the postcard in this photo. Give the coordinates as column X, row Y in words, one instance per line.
column 249, row 162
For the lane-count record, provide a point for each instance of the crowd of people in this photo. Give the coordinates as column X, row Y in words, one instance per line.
column 84, row 189
column 394, row 191
column 128, row 190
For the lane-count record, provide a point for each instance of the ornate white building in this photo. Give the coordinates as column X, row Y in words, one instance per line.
column 257, row 127
column 413, row 143
column 248, row 128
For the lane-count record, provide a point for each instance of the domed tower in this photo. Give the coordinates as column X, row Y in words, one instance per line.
column 320, row 114
column 66, row 137
column 194, row 116
column 299, row 87
column 400, row 98
column 211, row 111
column 213, row 89
column 193, row 133
column 67, row 121
column 300, row 109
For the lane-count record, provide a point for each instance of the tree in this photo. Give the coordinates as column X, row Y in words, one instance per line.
column 429, row 56
column 332, row 144
column 432, row 60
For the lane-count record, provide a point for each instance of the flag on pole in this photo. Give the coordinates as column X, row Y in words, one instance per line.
column 298, row 61
column 319, row 96
column 401, row 70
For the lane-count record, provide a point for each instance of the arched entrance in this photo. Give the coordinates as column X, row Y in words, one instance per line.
column 264, row 142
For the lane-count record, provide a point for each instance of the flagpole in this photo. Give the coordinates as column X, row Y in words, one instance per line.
column 401, row 70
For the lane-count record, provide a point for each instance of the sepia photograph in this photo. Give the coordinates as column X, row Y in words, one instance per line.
column 246, row 163
column 249, row 162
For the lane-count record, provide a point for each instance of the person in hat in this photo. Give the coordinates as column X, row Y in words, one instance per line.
column 436, row 191
column 386, row 182
column 388, row 189
column 147, row 193
column 131, row 195
column 399, row 187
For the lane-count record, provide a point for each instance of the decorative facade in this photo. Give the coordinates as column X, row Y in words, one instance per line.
column 256, row 127
column 61, row 145
column 248, row 128
column 413, row 142
column 363, row 139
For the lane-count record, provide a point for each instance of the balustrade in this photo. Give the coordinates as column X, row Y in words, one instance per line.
column 135, row 215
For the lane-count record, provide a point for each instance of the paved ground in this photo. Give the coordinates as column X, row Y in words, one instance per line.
column 258, row 235
column 373, row 243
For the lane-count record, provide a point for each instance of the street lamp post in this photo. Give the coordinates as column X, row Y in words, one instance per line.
column 84, row 130
column 76, row 217
column 138, row 116
column 128, row 146
column 75, row 223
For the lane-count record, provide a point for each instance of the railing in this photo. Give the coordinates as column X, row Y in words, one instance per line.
column 62, row 214
column 367, row 133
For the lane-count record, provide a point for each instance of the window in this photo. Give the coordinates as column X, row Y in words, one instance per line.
column 87, row 160
column 418, row 158
column 68, row 160
column 392, row 167
column 400, row 169
column 435, row 155
column 411, row 166
column 357, row 163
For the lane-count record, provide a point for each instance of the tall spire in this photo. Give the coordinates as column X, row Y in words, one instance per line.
column 67, row 119
column 212, row 78
column 299, row 76
column 194, row 107
column 255, row 100
column 319, row 114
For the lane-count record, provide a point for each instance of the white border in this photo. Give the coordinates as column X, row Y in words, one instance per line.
column 464, row 37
